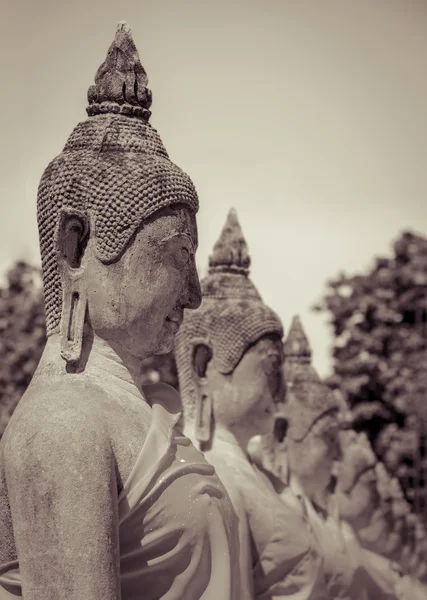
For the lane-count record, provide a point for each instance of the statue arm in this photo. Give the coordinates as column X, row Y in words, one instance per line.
column 62, row 489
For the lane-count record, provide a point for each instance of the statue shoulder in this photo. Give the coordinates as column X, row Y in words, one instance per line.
column 54, row 424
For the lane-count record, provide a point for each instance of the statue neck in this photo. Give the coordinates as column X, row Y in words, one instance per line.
column 222, row 436
column 98, row 358
column 295, row 484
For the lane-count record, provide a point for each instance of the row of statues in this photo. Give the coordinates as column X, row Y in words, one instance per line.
column 248, row 484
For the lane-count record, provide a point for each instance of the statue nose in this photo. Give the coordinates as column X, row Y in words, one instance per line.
column 194, row 292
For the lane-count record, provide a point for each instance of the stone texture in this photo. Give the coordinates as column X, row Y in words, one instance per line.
column 91, row 465
column 229, row 356
column 308, row 398
column 227, row 291
column 114, row 167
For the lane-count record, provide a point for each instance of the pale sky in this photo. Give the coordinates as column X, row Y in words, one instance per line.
column 307, row 116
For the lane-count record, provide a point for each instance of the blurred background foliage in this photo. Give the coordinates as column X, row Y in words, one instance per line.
column 379, row 353
column 22, row 334
column 379, row 322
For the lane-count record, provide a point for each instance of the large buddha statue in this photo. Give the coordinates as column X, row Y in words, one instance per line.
column 229, row 358
column 101, row 498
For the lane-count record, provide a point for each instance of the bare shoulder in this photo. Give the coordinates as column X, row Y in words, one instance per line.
column 56, row 425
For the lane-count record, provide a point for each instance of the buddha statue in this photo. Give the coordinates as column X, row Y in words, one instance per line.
column 229, row 359
column 357, row 491
column 101, row 498
column 312, row 410
column 393, row 529
column 359, row 497
column 379, row 535
column 403, row 536
column 316, row 424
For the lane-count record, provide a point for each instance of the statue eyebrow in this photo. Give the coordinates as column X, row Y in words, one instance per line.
column 175, row 235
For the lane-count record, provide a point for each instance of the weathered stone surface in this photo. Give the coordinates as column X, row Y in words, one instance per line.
column 229, row 356
column 121, row 81
column 94, row 501
column 374, row 505
column 313, row 442
column 318, row 426
column 357, row 491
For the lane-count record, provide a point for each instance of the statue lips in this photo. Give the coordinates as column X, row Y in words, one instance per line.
column 175, row 321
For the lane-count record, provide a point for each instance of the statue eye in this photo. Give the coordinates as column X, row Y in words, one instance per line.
column 271, row 364
column 185, row 255
column 272, row 368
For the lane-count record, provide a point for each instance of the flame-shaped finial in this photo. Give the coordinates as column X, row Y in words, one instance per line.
column 121, row 81
column 297, row 347
column 230, row 253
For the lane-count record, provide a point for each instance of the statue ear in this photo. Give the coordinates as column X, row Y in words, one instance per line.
column 281, row 425
column 202, row 354
column 71, row 241
column 71, row 238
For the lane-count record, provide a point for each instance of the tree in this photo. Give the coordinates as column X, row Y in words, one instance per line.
column 379, row 320
column 22, row 335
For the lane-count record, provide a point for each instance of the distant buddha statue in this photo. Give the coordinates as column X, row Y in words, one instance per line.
column 101, row 498
column 357, row 490
column 396, row 564
column 314, row 449
column 229, row 357
column 393, row 530
column 313, row 434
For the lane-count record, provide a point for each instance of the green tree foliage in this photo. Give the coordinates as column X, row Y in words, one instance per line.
column 379, row 320
column 22, row 335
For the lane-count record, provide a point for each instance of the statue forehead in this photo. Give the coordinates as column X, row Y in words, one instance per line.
column 269, row 343
column 168, row 224
column 325, row 425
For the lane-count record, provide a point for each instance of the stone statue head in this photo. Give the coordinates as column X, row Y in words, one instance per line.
column 117, row 221
column 313, row 434
column 229, row 352
column 357, row 490
column 269, row 451
column 383, row 532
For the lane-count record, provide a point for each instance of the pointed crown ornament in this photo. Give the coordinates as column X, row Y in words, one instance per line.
column 232, row 315
column 114, row 169
column 308, row 397
column 121, row 81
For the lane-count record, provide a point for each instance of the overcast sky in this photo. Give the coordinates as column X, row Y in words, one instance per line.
column 307, row 116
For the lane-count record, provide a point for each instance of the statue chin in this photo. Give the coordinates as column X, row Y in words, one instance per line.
column 166, row 347
column 167, row 341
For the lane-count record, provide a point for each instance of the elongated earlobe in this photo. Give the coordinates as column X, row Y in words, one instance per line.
column 72, row 236
column 204, row 406
column 203, row 416
column 74, row 306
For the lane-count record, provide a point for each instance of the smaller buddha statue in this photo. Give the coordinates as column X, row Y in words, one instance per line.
column 229, row 357
column 359, row 497
column 380, row 534
column 312, row 410
column 406, row 543
column 315, row 450
column 357, row 490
